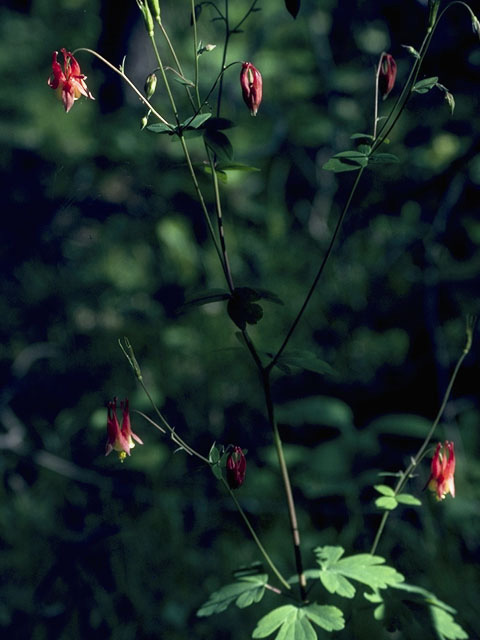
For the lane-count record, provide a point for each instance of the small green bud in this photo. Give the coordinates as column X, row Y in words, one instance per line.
column 155, row 5
column 150, row 85
column 147, row 16
column 432, row 12
column 450, row 101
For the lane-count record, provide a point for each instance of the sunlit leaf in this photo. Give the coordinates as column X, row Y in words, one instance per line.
column 336, row 572
column 294, row 623
column 243, row 593
column 384, row 489
column 387, row 503
column 196, row 121
column 406, row 498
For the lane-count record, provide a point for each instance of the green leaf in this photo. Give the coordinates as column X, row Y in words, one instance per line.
column 235, row 166
column 182, row 80
column 383, row 158
column 219, row 144
column 299, row 359
column 195, row 122
column 346, row 161
column 386, row 503
column 362, row 136
column 336, row 572
column 425, row 85
column 384, row 489
column 214, row 454
column 325, row 616
column 364, row 148
column 206, row 297
column 406, row 498
column 243, row 593
column 215, row 124
column 294, row 623
column 441, row 614
column 161, row 128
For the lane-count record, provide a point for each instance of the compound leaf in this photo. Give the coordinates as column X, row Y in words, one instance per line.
column 336, row 572
column 243, row 593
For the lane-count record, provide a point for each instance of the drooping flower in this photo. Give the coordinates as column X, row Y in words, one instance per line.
column 441, row 479
column 236, row 468
column 69, row 82
column 387, row 72
column 251, row 83
column 120, row 440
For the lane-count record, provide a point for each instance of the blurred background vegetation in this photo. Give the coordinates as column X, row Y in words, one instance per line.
column 102, row 237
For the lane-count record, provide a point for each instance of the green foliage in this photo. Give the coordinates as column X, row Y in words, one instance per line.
column 294, row 359
column 423, row 86
column 245, row 592
column 294, row 623
column 390, row 500
column 413, row 608
column 336, row 572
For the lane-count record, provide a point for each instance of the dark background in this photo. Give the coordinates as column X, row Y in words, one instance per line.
column 102, row 237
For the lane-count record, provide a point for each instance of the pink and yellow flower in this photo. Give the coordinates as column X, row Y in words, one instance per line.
column 441, row 478
column 69, row 82
column 120, row 439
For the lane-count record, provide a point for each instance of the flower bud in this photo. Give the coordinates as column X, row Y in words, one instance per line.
column 236, row 468
column 442, row 470
column 251, row 83
column 155, row 5
column 150, row 85
column 387, row 72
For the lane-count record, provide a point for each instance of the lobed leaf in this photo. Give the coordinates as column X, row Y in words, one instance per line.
column 294, row 623
column 243, row 593
column 336, row 572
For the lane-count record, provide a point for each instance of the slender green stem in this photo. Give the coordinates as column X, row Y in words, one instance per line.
column 173, row 434
column 202, row 203
column 177, row 62
column 257, row 541
column 165, row 79
column 129, row 82
column 319, row 272
column 375, row 114
column 404, row 477
column 287, row 487
column 195, row 52
column 224, row 59
column 218, row 211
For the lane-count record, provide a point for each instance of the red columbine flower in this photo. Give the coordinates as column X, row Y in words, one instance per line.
column 69, row 82
column 251, row 82
column 387, row 72
column 119, row 439
column 236, row 468
column 443, row 468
